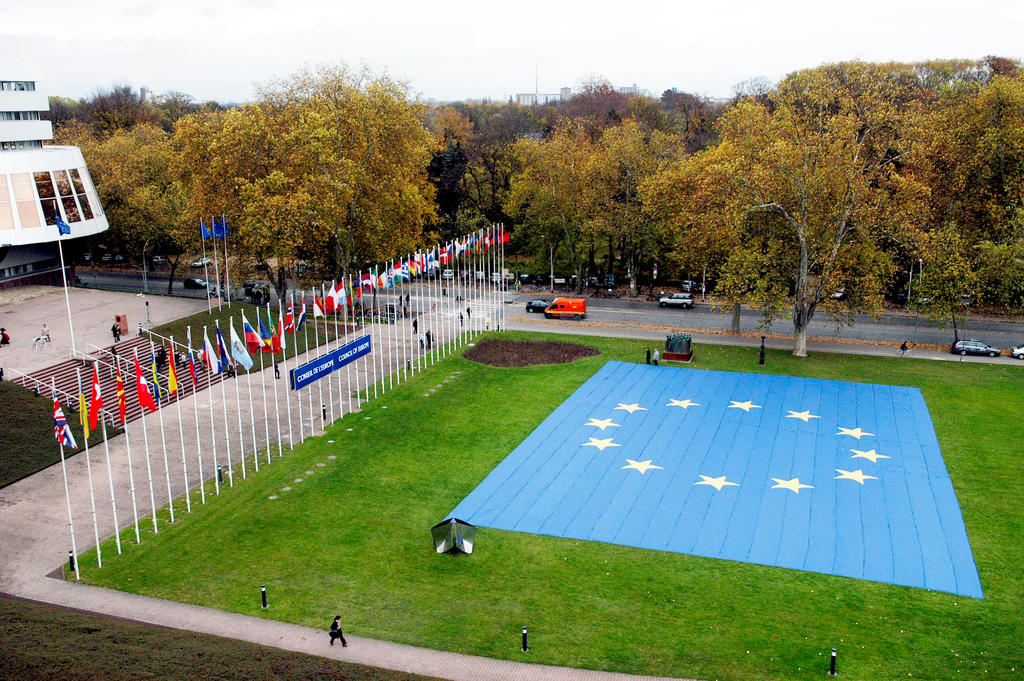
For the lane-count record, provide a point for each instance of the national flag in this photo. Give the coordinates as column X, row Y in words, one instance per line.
column 279, row 342
column 318, row 307
column 222, row 348
column 220, row 228
column 365, row 279
column 252, row 338
column 330, row 300
column 487, row 241
column 205, row 233
column 172, row 378
column 122, row 406
column 192, row 367
column 289, row 319
column 156, row 377
column 432, row 260
column 504, row 235
column 83, row 415
column 406, row 271
column 142, row 387
column 445, row 255
column 209, row 356
column 265, row 336
column 62, row 227
column 239, row 351
column 61, row 429
column 96, row 403
column 383, row 279
column 460, row 248
column 302, row 315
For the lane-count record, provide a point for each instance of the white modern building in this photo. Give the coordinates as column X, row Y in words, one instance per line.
column 39, row 183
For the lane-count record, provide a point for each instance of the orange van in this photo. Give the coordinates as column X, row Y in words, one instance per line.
column 567, row 308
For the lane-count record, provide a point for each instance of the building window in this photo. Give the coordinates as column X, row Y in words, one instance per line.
column 47, row 197
column 83, row 200
column 6, row 212
column 25, row 198
column 67, row 195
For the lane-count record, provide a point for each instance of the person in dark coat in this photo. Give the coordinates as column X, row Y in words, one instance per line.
column 336, row 631
column 415, row 326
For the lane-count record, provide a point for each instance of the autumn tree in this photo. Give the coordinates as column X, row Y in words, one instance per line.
column 821, row 157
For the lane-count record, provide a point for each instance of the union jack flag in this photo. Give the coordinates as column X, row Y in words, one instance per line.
column 61, row 429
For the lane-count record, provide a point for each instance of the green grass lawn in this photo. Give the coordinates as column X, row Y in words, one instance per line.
column 27, row 443
column 42, row 643
column 353, row 537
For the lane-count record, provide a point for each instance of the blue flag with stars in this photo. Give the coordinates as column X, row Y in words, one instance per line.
column 817, row 475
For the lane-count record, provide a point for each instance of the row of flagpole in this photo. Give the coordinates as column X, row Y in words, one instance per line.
column 432, row 321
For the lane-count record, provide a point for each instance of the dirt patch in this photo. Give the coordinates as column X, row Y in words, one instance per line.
column 506, row 353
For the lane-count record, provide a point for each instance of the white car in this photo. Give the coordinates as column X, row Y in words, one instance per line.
column 448, row 274
column 684, row 300
column 1017, row 352
column 202, row 262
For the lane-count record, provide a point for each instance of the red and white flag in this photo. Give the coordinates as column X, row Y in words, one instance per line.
column 96, row 403
column 142, row 387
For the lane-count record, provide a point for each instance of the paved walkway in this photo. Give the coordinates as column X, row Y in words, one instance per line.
column 34, row 537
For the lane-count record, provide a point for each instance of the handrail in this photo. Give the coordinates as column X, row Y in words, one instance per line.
column 68, row 397
column 184, row 347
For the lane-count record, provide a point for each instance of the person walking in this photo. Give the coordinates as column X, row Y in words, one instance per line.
column 4, row 338
column 903, row 349
column 648, row 355
column 656, row 356
column 115, row 331
column 415, row 326
column 336, row 631
column 45, row 333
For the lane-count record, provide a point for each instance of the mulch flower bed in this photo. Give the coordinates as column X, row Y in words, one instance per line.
column 506, row 353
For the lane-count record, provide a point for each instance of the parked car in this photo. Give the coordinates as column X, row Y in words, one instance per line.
column 538, row 305
column 1017, row 352
column 447, row 275
column 159, row 260
column 676, row 300
column 558, row 281
column 202, row 262
column 107, row 257
column 119, row 258
column 193, row 282
column 973, row 347
column 688, row 286
column 87, row 257
column 841, row 294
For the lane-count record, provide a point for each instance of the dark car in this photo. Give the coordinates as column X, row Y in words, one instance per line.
column 609, row 280
column 973, row 347
column 538, row 305
column 676, row 300
column 193, row 282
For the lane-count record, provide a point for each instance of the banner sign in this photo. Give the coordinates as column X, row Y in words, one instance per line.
column 332, row 361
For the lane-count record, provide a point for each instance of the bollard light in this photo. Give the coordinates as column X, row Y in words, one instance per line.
column 761, row 359
column 220, row 474
column 323, row 410
column 71, row 560
column 263, row 595
column 832, row 664
column 525, row 647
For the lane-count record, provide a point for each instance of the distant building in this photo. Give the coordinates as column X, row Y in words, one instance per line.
column 629, row 90
column 38, row 184
column 147, row 95
column 534, row 98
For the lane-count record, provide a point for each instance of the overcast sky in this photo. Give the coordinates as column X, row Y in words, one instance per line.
column 218, row 49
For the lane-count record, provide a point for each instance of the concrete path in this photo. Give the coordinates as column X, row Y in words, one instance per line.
column 34, row 531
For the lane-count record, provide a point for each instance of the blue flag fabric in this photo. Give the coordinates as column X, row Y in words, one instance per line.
column 221, row 228
column 205, row 233
column 63, row 227
column 816, row 475
column 222, row 350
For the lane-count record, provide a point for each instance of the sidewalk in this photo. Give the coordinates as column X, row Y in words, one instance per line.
column 34, row 538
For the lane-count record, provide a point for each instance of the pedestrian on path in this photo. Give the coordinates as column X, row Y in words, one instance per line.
column 429, row 339
column 45, row 334
column 648, row 355
column 460, row 320
column 656, row 356
column 903, row 349
column 336, row 631
column 115, row 331
column 415, row 326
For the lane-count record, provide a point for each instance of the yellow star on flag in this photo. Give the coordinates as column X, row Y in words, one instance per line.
column 601, row 423
column 856, row 476
column 685, row 404
column 853, row 432
column 600, row 444
column 630, row 407
column 871, row 455
column 745, row 406
column 718, row 483
column 802, row 415
column 793, row 484
column 642, row 466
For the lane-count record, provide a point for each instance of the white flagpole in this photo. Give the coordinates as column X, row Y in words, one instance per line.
column 67, row 488
column 263, row 387
column 88, row 468
column 224, row 402
column 433, row 314
column 348, row 367
column 284, row 368
column 227, row 267
column 216, row 268
column 369, row 359
column 420, row 317
column 382, row 336
column 238, row 407
column 390, row 333
column 403, row 333
column 110, row 479
column 163, row 440
column 316, row 342
column 67, row 298
column 252, row 418
column 273, row 360
column 149, row 467
column 327, row 346
column 295, row 338
column 338, row 342
column 375, row 326
column 206, row 269
column 309, row 392
column 213, row 419
column 181, row 436
column 131, row 471
column 195, row 408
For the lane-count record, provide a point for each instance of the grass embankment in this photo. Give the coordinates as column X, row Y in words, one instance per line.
column 353, row 537
column 27, row 443
column 41, row 643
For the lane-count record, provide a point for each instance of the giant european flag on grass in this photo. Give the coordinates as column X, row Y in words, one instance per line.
column 826, row 476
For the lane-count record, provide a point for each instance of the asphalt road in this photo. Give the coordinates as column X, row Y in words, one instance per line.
column 892, row 327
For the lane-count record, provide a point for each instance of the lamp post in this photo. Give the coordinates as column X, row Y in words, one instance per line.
column 551, row 277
